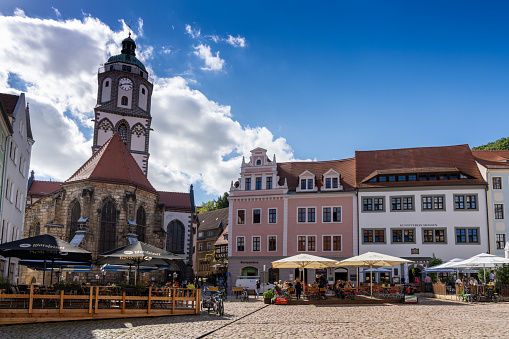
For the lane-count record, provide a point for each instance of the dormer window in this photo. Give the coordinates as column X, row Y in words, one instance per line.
column 307, row 182
column 331, row 181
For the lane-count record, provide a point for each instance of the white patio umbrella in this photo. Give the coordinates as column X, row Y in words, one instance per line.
column 372, row 259
column 506, row 249
column 304, row 261
column 482, row 260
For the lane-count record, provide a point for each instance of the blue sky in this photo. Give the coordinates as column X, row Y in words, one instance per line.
column 312, row 80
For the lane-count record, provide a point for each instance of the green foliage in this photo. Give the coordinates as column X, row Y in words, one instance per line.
column 269, row 294
column 435, row 262
column 221, row 202
column 190, row 286
column 480, row 274
column 502, row 143
column 5, row 280
column 502, row 274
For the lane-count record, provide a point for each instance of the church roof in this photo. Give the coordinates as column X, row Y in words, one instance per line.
column 175, row 200
column 128, row 54
column 43, row 188
column 112, row 163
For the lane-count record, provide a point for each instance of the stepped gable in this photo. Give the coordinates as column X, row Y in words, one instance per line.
column 492, row 158
column 112, row 163
column 175, row 200
column 291, row 171
column 444, row 159
column 42, row 188
column 212, row 219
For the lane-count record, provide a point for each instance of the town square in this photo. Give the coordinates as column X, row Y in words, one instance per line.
column 193, row 169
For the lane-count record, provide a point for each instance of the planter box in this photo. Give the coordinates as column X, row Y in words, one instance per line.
column 267, row 300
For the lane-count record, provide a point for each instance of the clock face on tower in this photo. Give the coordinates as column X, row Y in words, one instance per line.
column 126, row 84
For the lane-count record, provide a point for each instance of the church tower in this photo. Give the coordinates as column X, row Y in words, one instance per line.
column 123, row 103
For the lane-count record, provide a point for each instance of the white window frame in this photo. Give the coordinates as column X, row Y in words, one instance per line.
column 237, row 216
column 331, row 174
column 305, row 176
column 332, row 242
column 268, row 215
column 237, row 244
column 268, row 242
column 307, row 215
column 252, row 216
column 332, row 213
column 252, row 243
column 495, row 212
column 493, row 183
column 307, row 242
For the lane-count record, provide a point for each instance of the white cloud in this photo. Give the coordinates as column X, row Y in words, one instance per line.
column 57, row 12
column 213, row 63
column 140, row 26
column 195, row 140
column 194, row 33
column 214, row 38
column 236, row 42
column 19, row 12
column 166, row 50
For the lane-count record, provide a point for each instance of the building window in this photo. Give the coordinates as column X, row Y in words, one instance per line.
column 332, row 214
column 301, row 246
column 257, row 216
column 311, row 215
column 310, row 184
column 141, row 223
column 124, row 101
column 75, row 216
column 209, row 246
column 258, row 185
column 122, row 132
column 269, row 183
column 373, row 235
column 303, row 184
column 467, row 235
column 175, row 237
column 331, row 243
column 433, row 202
column 107, row 84
column 143, row 91
column 256, row 244
column 497, row 183
column 500, row 240
column 328, row 183
column 465, row 202
column 107, row 238
column 241, row 217
column 499, row 211
column 272, row 215
column 200, row 247
column 335, row 183
column 403, row 236
column 301, row 215
column 402, row 203
column 326, row 214
column 258, row 162
column 434, row 236
column 272, row 243
column 240, row 244
column 248, row 184
column 311, row 243
column 375, row 204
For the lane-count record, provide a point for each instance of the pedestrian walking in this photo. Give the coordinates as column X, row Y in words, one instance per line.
column 298, row 288
column 258, row 285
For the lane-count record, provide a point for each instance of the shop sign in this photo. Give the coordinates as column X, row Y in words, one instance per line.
column 249, row 262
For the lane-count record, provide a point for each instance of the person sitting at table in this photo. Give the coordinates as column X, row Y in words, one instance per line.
column 349, row 284
column 315, row 285
column 320, row 286
column 277, row 288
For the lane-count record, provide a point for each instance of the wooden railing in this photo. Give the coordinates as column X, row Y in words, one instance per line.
column 439, row 288
column 98, row 302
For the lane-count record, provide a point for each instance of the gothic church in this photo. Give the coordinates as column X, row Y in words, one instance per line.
column 109, row 202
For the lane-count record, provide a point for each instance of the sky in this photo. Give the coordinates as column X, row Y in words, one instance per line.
column 305, row 80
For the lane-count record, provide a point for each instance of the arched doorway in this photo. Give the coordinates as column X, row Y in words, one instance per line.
column 414, row 273
column 249, row 271
column 341, row 273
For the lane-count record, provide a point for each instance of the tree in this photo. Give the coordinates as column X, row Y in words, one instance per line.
column 212, row 205
column 435, row 262
column 502, row 143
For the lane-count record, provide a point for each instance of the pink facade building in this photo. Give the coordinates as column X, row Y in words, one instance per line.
column 283, row 209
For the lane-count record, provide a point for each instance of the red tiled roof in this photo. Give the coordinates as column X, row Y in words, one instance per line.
column 492, row 158
column 176, row 200
column 44, row 187
column 112, row 163
column 291, row 171
column 9, row 101
column 416, row 160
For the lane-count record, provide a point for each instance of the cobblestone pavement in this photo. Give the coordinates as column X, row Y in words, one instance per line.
column 431, row 317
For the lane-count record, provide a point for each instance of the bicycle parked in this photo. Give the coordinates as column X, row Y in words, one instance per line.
column 244, row 296
column 213, row 301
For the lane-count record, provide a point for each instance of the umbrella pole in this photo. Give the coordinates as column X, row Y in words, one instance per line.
column 358, row 281
column 371, row 280
column 44, row 272
column 51, row 274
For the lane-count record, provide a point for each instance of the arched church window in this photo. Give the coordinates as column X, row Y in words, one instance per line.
column 175, row 237
column 141, row 222
column 107, row 84
column 108, row 227
column 122, row 132
column 75, row 216
column 124, row 101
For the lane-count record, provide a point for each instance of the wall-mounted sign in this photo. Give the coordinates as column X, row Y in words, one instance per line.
column 418, row 225
column 415, row 251
column 249, row 262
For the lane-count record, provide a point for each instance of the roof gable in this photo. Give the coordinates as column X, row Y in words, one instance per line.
column 213, row 219
column 112, row 163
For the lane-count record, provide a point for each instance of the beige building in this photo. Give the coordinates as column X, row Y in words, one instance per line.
column 210, row 227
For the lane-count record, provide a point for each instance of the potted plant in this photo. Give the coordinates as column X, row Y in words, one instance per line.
column 268, row 296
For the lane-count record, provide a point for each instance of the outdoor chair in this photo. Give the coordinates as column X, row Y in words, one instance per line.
column 291, row 292
column 321, row 292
